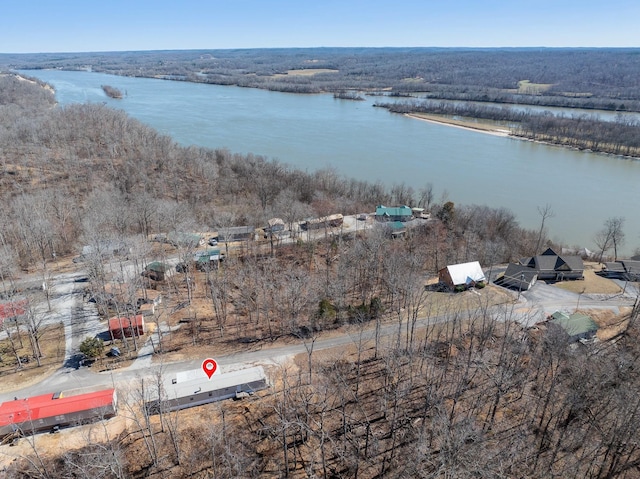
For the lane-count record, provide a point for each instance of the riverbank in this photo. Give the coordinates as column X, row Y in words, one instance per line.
column 490, row 129
column 481, row 127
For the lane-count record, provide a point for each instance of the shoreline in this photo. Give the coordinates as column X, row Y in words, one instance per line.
column 487, row 130
column 460, row 124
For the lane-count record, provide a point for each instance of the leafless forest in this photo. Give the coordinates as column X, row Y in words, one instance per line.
column 582, row 131
column 596, row 78
column 471, row 394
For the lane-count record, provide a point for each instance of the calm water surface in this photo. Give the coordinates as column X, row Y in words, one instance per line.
column 315, row 131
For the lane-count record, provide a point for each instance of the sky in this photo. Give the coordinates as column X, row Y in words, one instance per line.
column 37, row 26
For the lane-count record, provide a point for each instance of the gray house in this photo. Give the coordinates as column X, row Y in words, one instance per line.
column 518, row 276
column 551, row 266
column 625, row 269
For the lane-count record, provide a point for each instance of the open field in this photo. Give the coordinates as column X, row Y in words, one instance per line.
column 304, row 72
column 527, row 88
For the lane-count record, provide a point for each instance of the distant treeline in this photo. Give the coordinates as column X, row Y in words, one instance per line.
column 620, row 137
column 580, row 78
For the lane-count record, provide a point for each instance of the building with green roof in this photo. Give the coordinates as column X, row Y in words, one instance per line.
column 577, row 325
column 395, row 213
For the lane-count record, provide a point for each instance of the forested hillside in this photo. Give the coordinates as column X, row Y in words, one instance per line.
column 64, row 166
column 470, row 393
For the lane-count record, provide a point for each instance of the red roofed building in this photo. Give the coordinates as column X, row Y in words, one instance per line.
column 12, row 309
column 128, row 326
column 42, row 413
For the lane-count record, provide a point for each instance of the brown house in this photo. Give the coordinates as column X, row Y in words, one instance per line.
column 130, row 327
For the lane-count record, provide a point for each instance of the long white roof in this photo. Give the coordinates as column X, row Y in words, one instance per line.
column 465, row 273
column 196, row 381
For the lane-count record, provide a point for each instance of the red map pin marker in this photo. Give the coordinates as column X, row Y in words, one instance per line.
column 209, row 367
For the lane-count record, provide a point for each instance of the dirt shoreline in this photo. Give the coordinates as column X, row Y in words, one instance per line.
column 480, row 128
column 489, row 130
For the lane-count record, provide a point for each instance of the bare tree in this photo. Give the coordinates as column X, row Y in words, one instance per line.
column 545, row 213
column 610, row 236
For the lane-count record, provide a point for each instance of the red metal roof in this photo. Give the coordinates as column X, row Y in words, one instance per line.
column 44, row 406
column 12, row 309
column 117, row 323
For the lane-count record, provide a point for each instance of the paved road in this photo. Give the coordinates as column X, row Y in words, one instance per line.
column 532, row 306
column 80, row 319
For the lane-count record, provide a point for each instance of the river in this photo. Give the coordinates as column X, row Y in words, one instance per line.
column 357, row 140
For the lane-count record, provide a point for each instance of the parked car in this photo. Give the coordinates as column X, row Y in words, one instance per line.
column 213, row 242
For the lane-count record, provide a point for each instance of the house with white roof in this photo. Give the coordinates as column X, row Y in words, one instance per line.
column 463, row 274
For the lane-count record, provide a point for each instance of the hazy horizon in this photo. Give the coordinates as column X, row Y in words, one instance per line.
column 74, row 26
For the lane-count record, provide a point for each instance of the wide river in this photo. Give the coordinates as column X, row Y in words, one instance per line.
column 357, row 140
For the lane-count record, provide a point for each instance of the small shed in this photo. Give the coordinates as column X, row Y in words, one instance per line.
column 577, row 325
column 157, row 271
column 463, row 274
column 209, row 258
column 133, row 326
column 398, row 229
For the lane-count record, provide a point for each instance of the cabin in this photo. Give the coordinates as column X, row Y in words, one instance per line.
column 103, row 250
column 157, row 271
column 578, row 326
column 274, row 225
column 235, row 233
column 395, row 213
column 127, row 327
column 209, row 258
column 331, row 221
column 193, row 388
column 49, row 411
column 464, row 275
column 184, row 240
